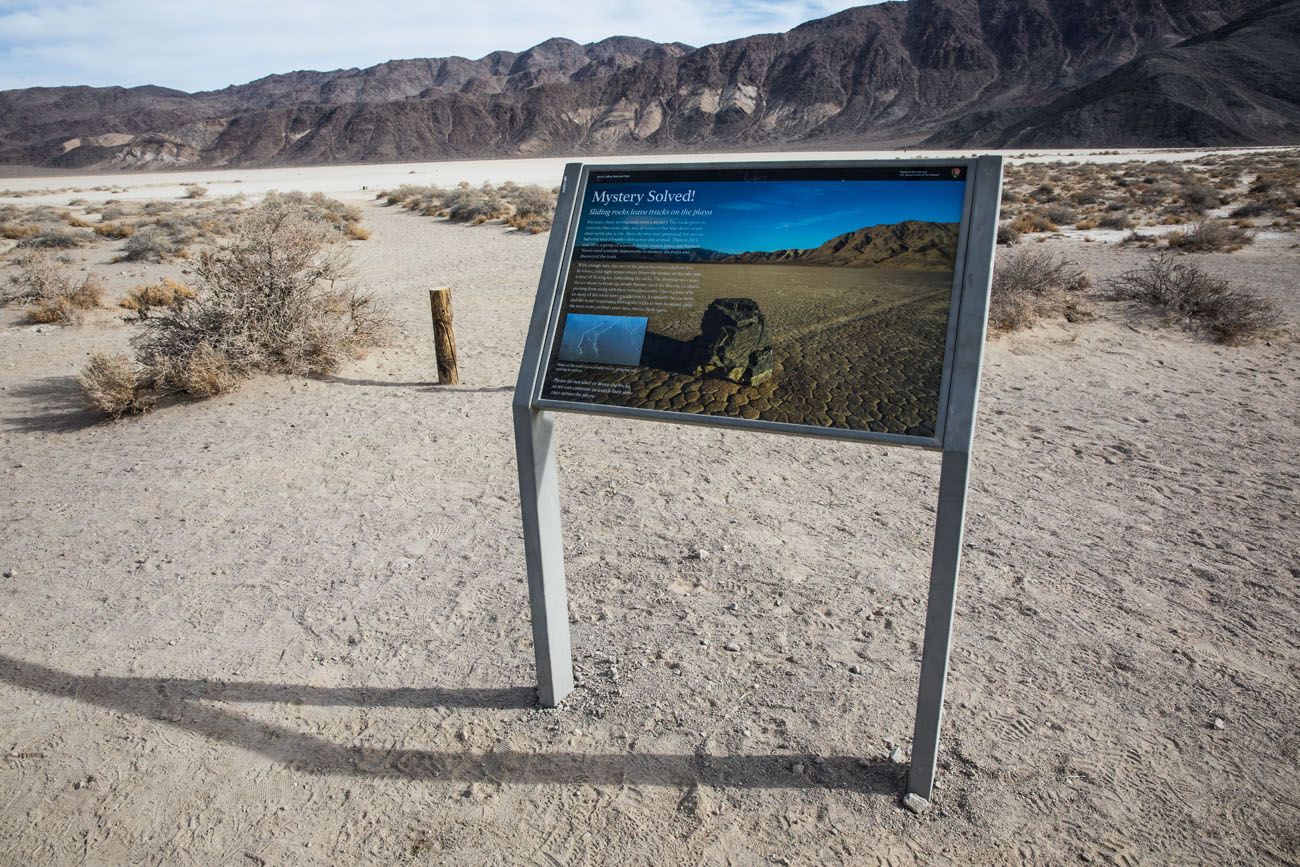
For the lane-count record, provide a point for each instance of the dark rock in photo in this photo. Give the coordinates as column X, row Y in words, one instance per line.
column 734, row 342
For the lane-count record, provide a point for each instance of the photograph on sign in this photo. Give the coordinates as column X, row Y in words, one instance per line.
column 808, row 296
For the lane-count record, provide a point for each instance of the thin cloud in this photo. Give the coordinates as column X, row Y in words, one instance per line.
column 205, row 46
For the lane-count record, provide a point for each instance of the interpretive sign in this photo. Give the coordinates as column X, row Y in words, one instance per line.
column 843, row 299
column 805, row 297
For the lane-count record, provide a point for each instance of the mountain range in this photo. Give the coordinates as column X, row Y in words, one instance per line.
column 911, row 244
column 954, row 73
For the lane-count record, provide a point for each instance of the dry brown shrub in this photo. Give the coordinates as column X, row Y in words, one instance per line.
column 1060, row 214
column 86, row 294
column 152, row 244
column 208, row 373
column 35, row 276
column 1033, row 221
column 1029, row 285
column 50, row 311
column 277, row 298
column 195, row 191
column 533, row 224
column 165, row 293
column 1139, row 239
column 1211, row 236
column 357, row 232
column 1200, row 301
column 1200, row 197
column 116, row 231
column 54, row 237
column 18, row 231
column 527, row 208
column 53, row 294
column 111, row 385
column 534, row 207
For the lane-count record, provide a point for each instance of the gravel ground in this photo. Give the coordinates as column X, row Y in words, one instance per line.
column 289, row 625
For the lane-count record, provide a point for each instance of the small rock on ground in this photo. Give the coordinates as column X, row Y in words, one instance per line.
column 915, row 803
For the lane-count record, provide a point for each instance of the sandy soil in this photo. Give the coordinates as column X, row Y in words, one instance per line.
column 43, row 186
column 289, row 626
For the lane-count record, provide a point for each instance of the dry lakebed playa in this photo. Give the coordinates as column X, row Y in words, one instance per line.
column 289, row 625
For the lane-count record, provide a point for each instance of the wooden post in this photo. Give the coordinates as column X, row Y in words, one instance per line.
column 444, row 339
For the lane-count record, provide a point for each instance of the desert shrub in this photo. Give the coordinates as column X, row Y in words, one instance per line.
column 208, row 372
column 164, row 293
column 52, row 294
column 1008, row 234
column 195, row 191
column 86, row 294
column 1044, row 193
column 1156, row 193
column 466, row 204
column 1059, row 214
column 1033, row 221
column 527, row 208
column 1088, row 195
column 60, row 237
column 1115, row 221
column 1198, row 300
column 357, row 232
column 318, row 207
column 1272, row 204
column 66, row 308
column 1200, row 197
column 151, row 244
column 18, row 231
column 35, row 275
column 184, row 222
column 399, row 195
column 534, row 207
column 1139, row 239
column 111, row 384
column 1211, row 236
column 277, row 298
column 1029, row 285
column 49, row 311
column 116, row 231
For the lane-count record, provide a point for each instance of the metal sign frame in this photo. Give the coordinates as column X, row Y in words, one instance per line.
column 534, row 425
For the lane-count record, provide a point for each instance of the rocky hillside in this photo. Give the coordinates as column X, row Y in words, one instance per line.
column 1237, row 84
column 912, row 244
column 958, row 72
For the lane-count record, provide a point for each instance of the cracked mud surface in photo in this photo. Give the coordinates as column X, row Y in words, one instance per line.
column 854, row 348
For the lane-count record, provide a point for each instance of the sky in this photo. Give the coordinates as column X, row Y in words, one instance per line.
column 208, row 45
column 751, row 216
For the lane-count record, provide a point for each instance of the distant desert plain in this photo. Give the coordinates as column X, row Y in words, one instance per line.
column 288, row 624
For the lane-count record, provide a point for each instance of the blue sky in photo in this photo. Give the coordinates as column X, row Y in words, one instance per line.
column 778, row 215
column 205, row 45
